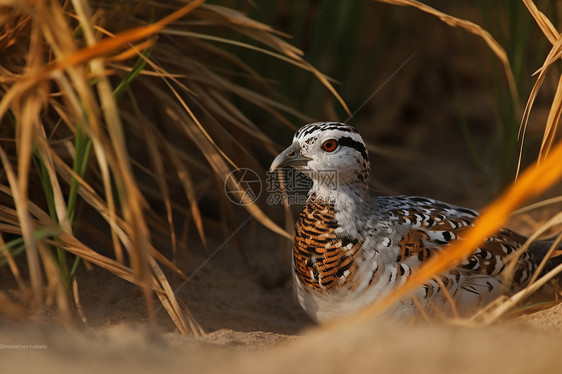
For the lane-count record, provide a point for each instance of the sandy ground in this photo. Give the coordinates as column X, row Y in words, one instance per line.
column 377, row 346
column 253, row 324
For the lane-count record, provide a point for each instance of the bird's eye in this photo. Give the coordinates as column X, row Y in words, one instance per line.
column 330, row 145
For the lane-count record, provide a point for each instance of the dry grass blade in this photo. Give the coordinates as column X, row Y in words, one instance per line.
column 544, row 23
column 554, row 115
column 217, row 103
column 295, row 58
column 60, row 206
column 536, row 179
column 88, row 194
column 187, row 183
column 74, row 246
column 159, row 283
column 126, row 184
column 473, row 28
column 12, row 264
column 552, row 122
column 255, row 31
column 27, row 230
column 172, row 305
column 330, row 87
column 501, row 309
column 103, row 47
column 552, row 57
column 540, row 204
column 213, row 157
column 158, row 165
column 513, row 257
column 553, row 248
column 55, row 284
column 449, row 298
column 12, row 27
column 35, row 211
column 132, row 208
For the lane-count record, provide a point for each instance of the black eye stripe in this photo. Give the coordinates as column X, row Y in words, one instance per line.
column 359, row 147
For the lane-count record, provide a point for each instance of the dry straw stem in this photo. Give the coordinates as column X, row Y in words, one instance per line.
column 63, row 95
column 120, row 226
column 554, row 55
column 502, row 308
column 552, row 122
column 540, row 204
column 190, row 124
column 25, row 223
column 106, row 46
column 554, row 113
column 132, row 209
column 542, row 20
column 472, row 28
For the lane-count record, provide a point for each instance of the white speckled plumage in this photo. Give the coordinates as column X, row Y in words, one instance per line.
column 351, row 248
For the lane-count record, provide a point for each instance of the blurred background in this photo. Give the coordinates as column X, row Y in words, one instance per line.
column 446, row 125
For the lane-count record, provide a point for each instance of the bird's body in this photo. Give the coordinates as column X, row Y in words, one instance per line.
column 351, row 248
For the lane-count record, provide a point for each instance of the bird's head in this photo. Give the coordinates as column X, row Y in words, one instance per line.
column 321, row 148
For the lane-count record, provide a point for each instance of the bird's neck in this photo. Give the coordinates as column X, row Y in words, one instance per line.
column 350, row 202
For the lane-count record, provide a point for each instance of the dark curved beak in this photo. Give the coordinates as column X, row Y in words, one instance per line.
column 291, row 156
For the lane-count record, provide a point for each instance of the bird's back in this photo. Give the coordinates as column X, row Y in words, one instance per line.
column 336, row 274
